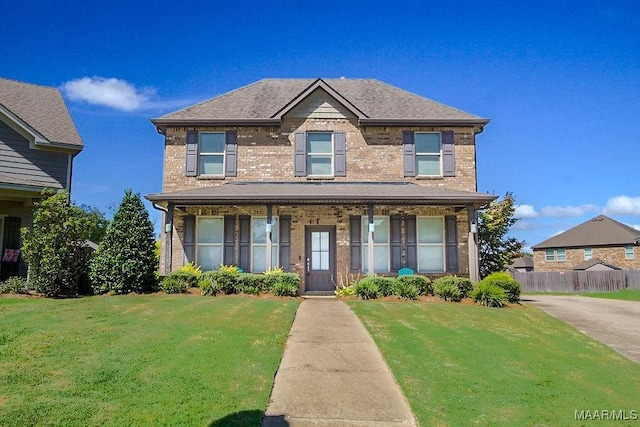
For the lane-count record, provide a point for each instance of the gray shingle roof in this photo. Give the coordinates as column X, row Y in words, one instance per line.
column 372, row 100
column 354, row 193
column 41, row 108
column 592, row 262
column 598, row 231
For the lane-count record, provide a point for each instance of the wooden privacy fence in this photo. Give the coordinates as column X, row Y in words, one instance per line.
column 578, row 281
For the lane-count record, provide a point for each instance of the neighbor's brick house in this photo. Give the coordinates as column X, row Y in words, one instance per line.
column 600, row 243
column 291, row 172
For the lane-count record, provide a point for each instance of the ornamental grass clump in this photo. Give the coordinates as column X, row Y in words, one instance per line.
column 506, row 282
column 367, row 289
column 423, row 284
column 446, row 289
column 488, row 294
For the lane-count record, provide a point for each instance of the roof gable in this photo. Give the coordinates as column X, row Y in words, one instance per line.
column 40, row 111
column 598, row 231
column 371, row 101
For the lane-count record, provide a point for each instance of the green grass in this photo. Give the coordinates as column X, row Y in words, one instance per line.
column 625, row 294
column 469, row 365
column 139, row 360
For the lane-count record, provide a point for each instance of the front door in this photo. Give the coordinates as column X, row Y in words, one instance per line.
column 320, row 257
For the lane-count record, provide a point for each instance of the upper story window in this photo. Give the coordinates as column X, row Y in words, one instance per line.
column 320, row 154
column 628, row 252
column 428, row 154
column 211, row 154
column 587, row 254
column 555, row 255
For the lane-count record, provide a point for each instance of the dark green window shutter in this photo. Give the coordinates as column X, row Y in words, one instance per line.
column 410, row 238
column 448, row 154
column 191, row 168
column 355, row 242
column 229, row 240
column 285, row 242
column 244, row 258
column 409, row 150
column 451, row 243
column 189, row 239
column 340, row 153
column 300, row 153
column 231, row 154
column 395, row 222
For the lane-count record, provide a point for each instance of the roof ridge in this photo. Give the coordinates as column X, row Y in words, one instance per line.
column 41, row 86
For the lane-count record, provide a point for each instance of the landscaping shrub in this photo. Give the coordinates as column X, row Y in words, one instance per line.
column 283, row 284
column 345, row 291
column 284, row 289
column 208, row 285
column 191, row 267
column 250, row 290
column 178, row 282
column 252, row 280
column 423, row 284
column 14, row 285
column 463, row 284
column 406, row 289
column 447, row 290
column 386, row 285
column 367, row 289
column 488, row 294
column 506, row 282
column 226, row 281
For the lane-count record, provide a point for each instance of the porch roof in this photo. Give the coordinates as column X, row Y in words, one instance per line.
column 322, row 193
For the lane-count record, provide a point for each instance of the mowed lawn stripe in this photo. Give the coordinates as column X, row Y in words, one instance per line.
column 468, row 365
column 139, row 360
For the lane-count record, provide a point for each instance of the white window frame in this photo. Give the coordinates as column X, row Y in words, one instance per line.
column 322, row 155
column 555, row 255
column 441, row 245
column 223, row 154
column 629, row 252
column 198, row 244
column 418, row 154
column 365, row 239
column 275, row 261
column 588, row 254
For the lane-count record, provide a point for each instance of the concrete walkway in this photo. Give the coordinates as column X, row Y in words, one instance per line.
column 332, row 374
column 615, row 323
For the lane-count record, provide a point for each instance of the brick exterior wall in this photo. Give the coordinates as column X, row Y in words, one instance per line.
column 614, row 255
column 319, row 215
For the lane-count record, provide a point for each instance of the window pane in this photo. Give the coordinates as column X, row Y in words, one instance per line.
column 560, row 255
column 380, row 259
column 209, row 257
column 381, row 230
column 430, row 230
column 319, row 143
column 549, row 255
column 212, row 142
column 319, row 165
column 259, row 259
column 427, row 142
column 210, row 230
column 259, row 230
column 587, row 253
column 428, row 165
column 430, row 258
column 211, row 165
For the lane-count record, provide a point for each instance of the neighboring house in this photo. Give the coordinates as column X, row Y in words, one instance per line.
column 610, row 241
column 521, row 265
column 325, row 178
column 38, row 141
column 595, row 264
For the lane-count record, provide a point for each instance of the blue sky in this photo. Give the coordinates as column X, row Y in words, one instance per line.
column 560, row 81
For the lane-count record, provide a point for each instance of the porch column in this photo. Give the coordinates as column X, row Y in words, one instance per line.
column 370, row 230
column 268, row 232
column 474, row 268
column 167, row 240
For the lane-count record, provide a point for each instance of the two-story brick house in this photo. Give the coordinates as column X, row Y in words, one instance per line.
column 322, row 177
column 38, row 142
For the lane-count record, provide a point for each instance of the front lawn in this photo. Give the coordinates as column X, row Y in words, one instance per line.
column 139, row 359
column 469, row 365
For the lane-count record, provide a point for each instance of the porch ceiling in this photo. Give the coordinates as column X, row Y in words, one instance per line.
column 322, row 193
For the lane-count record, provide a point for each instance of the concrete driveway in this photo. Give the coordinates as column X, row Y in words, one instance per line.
column 615, row 323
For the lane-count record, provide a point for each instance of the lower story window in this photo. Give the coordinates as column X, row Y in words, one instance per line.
column 259, row 244
column 210, row 231
column 430, row 244
column 380, row 244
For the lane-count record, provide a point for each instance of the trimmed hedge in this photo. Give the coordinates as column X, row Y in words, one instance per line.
column 423, row 284
column 227, row 281
column 506, row 282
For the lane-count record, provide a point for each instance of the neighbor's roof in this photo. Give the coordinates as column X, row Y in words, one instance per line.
column 592, row 262
column 522, row 262
column 40, row 108
column 304, row 193
column 371, row 101
column 598, row 231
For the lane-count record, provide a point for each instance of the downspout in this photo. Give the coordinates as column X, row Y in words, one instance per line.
column 166, row 242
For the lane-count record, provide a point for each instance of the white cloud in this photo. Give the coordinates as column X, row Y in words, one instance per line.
column 525, row 211
column 109, row 92
column 623, row 205
column 567, row 211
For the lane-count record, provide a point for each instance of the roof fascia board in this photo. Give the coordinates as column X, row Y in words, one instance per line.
column 162, row 124
column 424, row 122
column 319, row 84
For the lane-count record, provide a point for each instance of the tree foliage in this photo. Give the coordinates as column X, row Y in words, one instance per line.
column 55, row 247
column 495, row 248
column 125, row 260
column 97, row 223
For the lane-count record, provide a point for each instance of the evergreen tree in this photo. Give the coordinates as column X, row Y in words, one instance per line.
column 54, row 246
column 125, row 260
column 495, row 248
